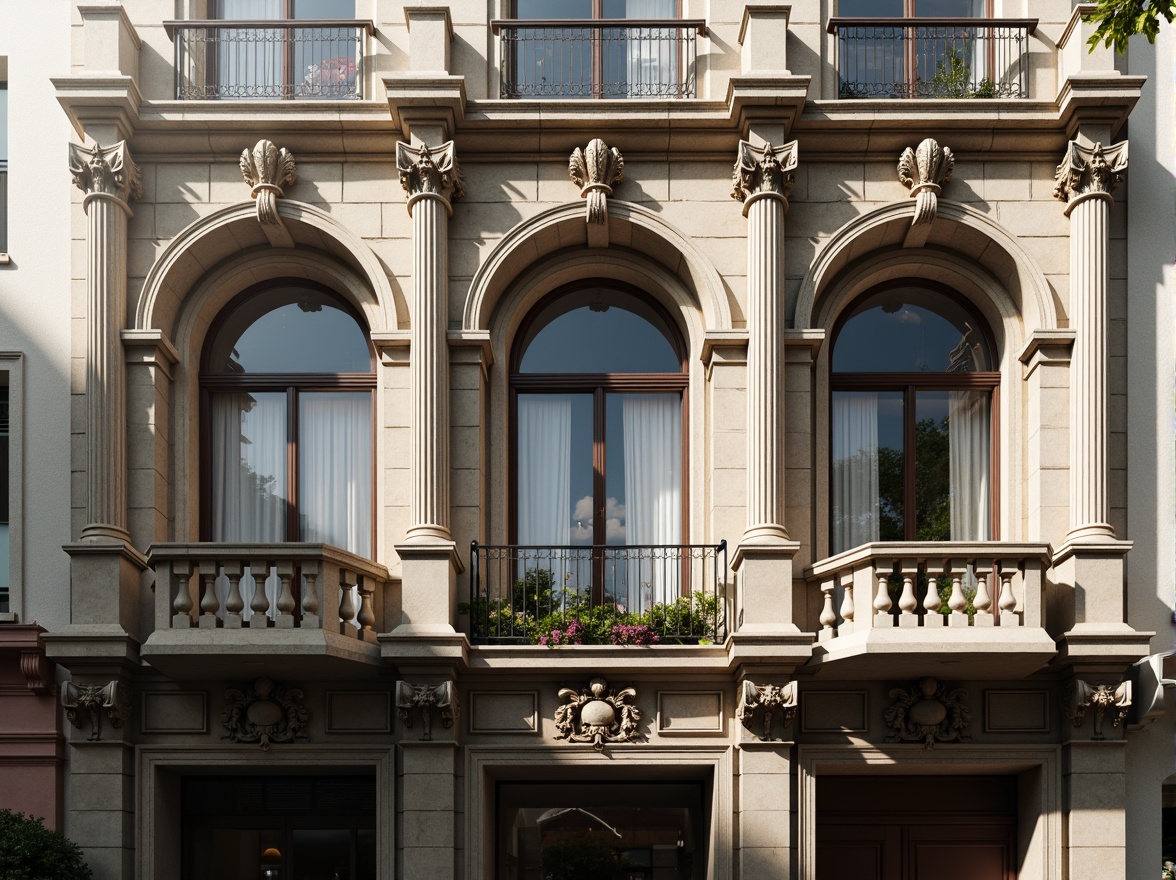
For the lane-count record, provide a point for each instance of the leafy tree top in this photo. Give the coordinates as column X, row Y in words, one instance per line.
column 30, row 851
column 1119, row 19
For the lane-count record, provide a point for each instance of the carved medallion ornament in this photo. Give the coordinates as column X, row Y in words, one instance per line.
column 105, row 171
column 426, row 171
column 424, row 698
column 267, row 170
column 1104, row 698
column 266, row 713
column 927, row 712
column 769, row 701
column 93, row 701
column 924, row 170
column 1090, row 170
column 596, row 170
column 597, row 714
column 763, row 171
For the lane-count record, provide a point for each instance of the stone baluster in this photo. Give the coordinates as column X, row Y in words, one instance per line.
column 931, row 599
column 847, row 608
column 1085, row 179
column 234, row 604
column 908, row 602
column 347, row 581
column 1007, row 601
column 828, row 616
column 762, row 179
column 182, row 605
column 367, row 614
column 957, row 602
column 310, row 599
column 110, row 179
column 882, row 570
column 286, row 603
column 209, row 603
column 432, row 180
column 982, row 601
column 259, row 603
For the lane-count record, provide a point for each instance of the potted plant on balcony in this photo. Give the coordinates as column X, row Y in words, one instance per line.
column 330, row 78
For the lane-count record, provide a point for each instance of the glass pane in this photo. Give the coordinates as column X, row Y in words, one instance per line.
column 555, row 472
column 248, row 466
column 640, row 8
column 335, row 469
column 867, row 468
column 553, row 8
column 932, row 468
column 909, row 330
column 600, row 336
column 235, row 852
column 290, row 330
column 324, row 9
column 249, row 9
column 3, row 122
column 950, row 8
column 4, row 536
column 870, row 8
column 321, row 854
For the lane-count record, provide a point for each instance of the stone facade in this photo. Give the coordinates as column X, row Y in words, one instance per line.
column 750, row 217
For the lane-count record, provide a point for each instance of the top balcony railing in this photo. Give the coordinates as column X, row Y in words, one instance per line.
column 932, row 57
column 265, row 59
column 599, row 58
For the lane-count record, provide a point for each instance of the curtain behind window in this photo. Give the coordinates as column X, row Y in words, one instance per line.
column 653, row 494
column 969, row 449
column 855, row 470
column 545, row 467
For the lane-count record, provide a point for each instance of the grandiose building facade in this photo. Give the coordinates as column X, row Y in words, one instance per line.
column 644, row 439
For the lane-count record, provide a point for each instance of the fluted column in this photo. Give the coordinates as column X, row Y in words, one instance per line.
column 432, row 180
column 762, row 179
column 110, row 180
column 1085, row 180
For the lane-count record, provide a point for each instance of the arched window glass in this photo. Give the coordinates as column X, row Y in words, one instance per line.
column 288, row 383
column 597, row 393
column 911, row 416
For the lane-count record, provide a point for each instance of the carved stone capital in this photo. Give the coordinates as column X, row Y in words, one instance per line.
column 927, row 712
column 597, row 714
column 422, row 699
column 596, row 170
column 763, row 171
column 1103, row 698
column 924, row 171
column 265, row 713
column 1090, row 170
column 766, row 700
column 267, row 170
column 92, row 701
column 105, row 172
column 429, row 172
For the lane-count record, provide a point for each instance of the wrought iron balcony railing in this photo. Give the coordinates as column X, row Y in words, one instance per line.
column 932, row 57
column 599, row 58
column 610, row 595
column 304, row 59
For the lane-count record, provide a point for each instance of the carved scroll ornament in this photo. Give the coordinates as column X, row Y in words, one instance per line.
column 597, row 714
column 93, row 701
column 105, row 171
column 1103, row 698
column 924, row 171
column 267, row 170
column 596, row 170
column 1090, row 170
column 766, row 700
column 424, row 698
column 927, row 712
column 266, row 713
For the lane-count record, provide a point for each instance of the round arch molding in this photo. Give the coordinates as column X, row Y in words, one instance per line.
column 965, row 249
column 638, row 236
column 224, row 236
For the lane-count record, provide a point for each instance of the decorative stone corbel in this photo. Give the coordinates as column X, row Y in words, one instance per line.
column 596, row 170
column 597, row 714
column 92, row 700
column 927, row 712
column 105, row 172
column 267, row 169
column 1081, row 696
column 1089, row 171
column 425, row 698
column 761, row 172
column 924, row 171
column 766, row 700
column 266, row 713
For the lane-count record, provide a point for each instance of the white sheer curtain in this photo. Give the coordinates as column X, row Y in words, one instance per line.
column 653, row 494
column 969, row 451
column 248, row 479
column 652, row 55
column 250, row 62
column 855, row 469
column 335, row 469
column 545, row 469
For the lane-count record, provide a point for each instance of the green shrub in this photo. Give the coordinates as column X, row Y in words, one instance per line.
column 30, row 851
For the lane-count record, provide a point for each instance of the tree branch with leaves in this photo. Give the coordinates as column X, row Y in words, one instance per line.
column 1120, row 19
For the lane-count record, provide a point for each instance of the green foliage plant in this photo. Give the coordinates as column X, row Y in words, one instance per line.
column 30, row 851
column 583, row 857
column 1120, row 19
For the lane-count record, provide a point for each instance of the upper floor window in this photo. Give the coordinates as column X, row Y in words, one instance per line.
column 287, row 386
column 597, row 49
column 3, row 167
column 913, row 451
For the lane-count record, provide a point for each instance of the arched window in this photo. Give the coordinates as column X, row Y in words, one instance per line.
column 287, row 384
column 597, row 396
column 913, row 397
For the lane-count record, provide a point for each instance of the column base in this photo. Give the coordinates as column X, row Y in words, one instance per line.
column 765, row 602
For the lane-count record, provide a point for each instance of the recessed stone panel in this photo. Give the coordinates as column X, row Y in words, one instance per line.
column 690, row 712
column 359, row 712
column 833, row 712
column 504, row 712
column 1016, row 711
column 174, row 712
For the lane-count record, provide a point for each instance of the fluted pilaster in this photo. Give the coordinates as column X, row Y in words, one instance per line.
column 110, row 180
column 762, row 178
column 431, row 179
column 1085, row 179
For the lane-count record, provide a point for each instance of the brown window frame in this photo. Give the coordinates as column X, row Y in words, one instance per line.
column 910, row 384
